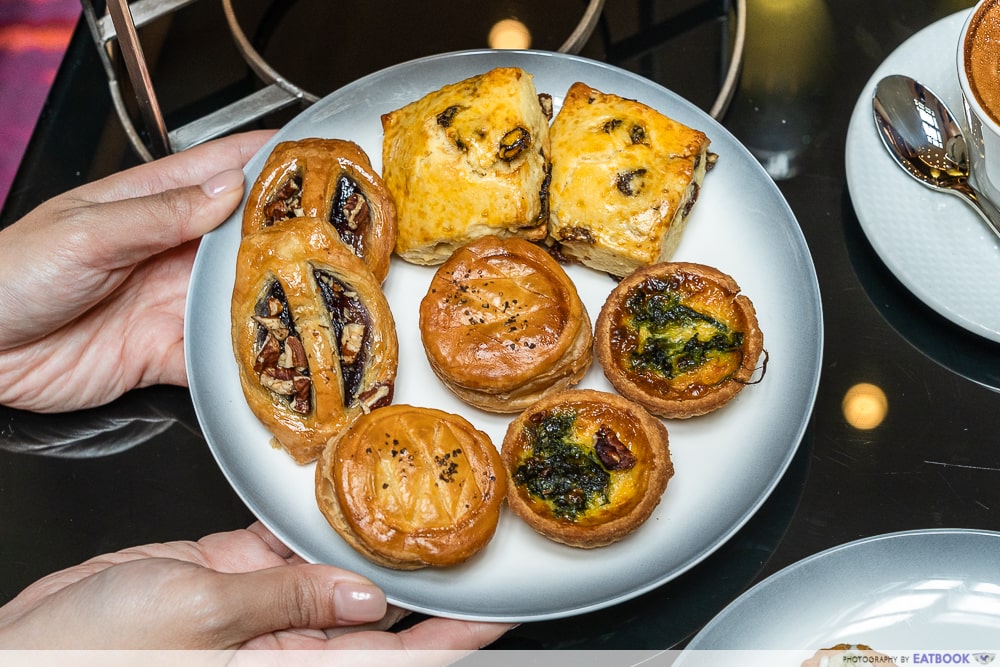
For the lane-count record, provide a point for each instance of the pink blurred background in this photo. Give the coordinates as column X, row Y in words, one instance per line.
column 33, row 39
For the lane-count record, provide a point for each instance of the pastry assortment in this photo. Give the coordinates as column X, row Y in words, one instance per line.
column 586, row 467
column 679, row 338
column 502, row 325
column 624, row 178
column 468, row 175
column 412, row 487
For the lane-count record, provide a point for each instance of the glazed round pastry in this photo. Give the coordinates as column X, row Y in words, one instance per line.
column 331, row 179
column 411, row 487
column 503, row 325
column 586, row 467
column 314, row 338
column 678, row 338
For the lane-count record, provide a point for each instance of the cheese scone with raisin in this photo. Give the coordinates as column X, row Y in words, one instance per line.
column 411, row 487
column 679, row 338
column 502, row 325
column 586, row 467
column 624, row 179
column 467, row 160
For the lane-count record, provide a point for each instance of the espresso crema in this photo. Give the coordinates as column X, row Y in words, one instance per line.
column 982, row 57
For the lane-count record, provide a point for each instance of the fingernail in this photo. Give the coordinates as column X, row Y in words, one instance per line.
column 359, row 603
column 222, row 182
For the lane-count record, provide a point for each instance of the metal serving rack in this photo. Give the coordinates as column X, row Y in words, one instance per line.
column 118, row 25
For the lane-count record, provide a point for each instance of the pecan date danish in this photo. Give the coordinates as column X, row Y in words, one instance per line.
column 313, row 335
column 330, row 179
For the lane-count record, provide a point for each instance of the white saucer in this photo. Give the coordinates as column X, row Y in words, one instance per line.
column 930, row 589
column 933, row 243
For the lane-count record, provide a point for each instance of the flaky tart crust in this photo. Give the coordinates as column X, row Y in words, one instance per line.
column 411, row 487
column 329, row 179
column 467, row 160
column 624, row 179
column 503, row 325
column 314, row 339
column 615, row 446
column 679, row 338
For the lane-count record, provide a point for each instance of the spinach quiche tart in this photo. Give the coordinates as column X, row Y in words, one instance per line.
column 586, row 467
column 678, row 338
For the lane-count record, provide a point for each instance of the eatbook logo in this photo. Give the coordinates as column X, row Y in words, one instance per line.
column 984, row 658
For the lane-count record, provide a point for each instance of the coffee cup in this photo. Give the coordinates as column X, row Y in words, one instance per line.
column 979, row 78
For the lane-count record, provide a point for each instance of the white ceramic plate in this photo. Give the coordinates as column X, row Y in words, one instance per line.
column 922, row 590
column 727, row 463
column 933, row 243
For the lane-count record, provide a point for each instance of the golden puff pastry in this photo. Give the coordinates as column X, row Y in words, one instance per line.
column 411, row 487
column 467, row 160
column 313, row 335
column 586, row 467
column 624, row 179
column 503, row 325
column 331, row 179
column 679, row 338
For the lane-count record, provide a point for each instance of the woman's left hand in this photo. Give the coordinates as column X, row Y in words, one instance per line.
column 93, row 282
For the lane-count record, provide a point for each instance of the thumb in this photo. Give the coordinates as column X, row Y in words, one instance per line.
column 298, row 597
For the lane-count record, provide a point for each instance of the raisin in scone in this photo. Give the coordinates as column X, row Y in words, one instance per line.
column 624, row 178
column 467, row 160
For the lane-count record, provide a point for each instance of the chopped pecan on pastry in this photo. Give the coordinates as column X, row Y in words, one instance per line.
column 411, row 487
column 624, row 179
column 586, row 467
column 313, row 335
column 678, row 338
column 468, row 160
column 503, row 325
column 331, row 179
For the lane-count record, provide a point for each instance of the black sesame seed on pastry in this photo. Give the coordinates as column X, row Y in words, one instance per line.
column 502, row 325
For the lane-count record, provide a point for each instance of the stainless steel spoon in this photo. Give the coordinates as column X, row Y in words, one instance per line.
column 923, row 137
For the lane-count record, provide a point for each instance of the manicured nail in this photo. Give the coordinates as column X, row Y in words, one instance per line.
column 223, row 182
column 358, row 603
